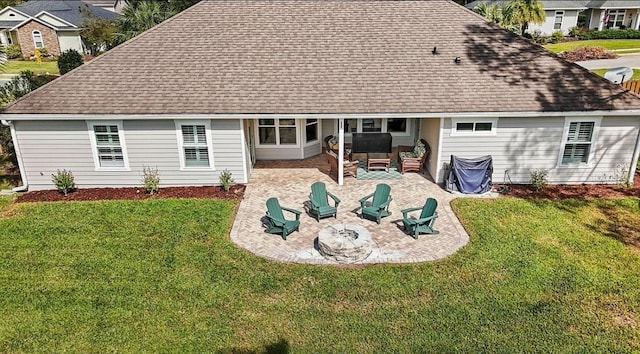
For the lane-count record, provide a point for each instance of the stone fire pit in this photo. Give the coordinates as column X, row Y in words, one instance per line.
column 345, row 243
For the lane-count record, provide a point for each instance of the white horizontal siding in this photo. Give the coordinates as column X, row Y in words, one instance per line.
column 50, row 145
column 524, row 144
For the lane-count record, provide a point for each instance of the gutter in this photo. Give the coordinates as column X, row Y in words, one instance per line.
column 23, row 175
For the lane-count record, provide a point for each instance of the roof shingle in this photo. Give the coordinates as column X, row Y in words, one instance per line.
column 316, row 56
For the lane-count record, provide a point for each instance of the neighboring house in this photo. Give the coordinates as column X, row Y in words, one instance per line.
column 51, row 24
column 563, row 15
column 111, row 5
column 270, row 79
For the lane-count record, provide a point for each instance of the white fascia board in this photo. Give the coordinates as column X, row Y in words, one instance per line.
column 37, row 117
column 44, row 23
column 54, row 16
column 15, row 10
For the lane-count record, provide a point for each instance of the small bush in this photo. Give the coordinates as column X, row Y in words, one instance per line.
column 587, row 53
column 226, row 180
column 63, row 181
column 577, row 31
column 12, row 51
column 539, row 179
column 69, row 60
column 622, row 176
column 557, row 36
column 538, row 38
column 150, row 179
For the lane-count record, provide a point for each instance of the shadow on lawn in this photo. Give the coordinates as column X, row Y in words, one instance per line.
column 281, row 346
column 619, row 226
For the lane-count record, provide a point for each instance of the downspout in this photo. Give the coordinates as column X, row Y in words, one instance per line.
column 16, row 147
column 634, row 161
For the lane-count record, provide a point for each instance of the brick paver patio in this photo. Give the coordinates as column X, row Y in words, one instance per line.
column 291, row 185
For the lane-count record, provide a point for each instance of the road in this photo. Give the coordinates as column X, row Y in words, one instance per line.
column 630, row 60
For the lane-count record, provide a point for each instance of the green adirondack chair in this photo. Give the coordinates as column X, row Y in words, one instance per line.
column 379, row 206
column 424, row 224
column 277, row 223
column 319, row 202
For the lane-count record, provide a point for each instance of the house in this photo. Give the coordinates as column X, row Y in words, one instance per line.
column 270, row 79
column 54, row 25
column 111, row 5
column 563, row 15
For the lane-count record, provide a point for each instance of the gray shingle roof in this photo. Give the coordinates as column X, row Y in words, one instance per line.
column 317, row 56
column 68, row 10
column 9, row 24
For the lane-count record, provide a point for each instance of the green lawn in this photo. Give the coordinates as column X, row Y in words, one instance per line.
column 16, row 66
column 621, row 45
column 636, row 73
column 163, row 276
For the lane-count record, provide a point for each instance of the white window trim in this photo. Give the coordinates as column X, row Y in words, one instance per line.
column 277, row 145
column 304, row 132
column 383, row 128
column 94, row 145
column 594, row 140
column 492, row 132
column 555, row 17
column 207, row 127
column 33, row 37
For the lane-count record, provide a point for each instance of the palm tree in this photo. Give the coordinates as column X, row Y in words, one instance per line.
column 524, row 12
column 140, row 18
column 503, row 16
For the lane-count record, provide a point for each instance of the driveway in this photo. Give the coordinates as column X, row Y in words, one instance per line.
column 630, row 60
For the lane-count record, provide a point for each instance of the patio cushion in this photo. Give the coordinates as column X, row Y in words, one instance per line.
column 405, row 154
column 419, row 149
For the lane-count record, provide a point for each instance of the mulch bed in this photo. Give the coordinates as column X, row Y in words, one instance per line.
column 563, row 191
column 235, row 192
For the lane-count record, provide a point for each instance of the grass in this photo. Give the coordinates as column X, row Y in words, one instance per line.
column 163, row 276
column 636, row 73
column 622, row 45
column 16, row 66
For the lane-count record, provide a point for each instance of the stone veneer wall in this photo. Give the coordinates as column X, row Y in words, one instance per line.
column 49, row 37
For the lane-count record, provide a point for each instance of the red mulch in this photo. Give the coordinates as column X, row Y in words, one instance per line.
column 235, row 192
column 560, row 191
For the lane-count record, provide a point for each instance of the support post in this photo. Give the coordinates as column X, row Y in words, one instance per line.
column 340, row 151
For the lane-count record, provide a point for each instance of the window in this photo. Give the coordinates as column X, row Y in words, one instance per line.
column 474, row 127
column 311, row 131
column 397, row 125
column 557, row 24
column 107, row 141
column 37, row 39
column 372, row 125
column 578, row 142
column 278, row 131
column 614, row 18
column 195, row 144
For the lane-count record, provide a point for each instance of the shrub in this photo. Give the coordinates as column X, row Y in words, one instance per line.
column 226, row 180
column 622, row 176
column 21, row 85
column 539, row 178
column 12, row 51
column 538, row 38
column 587, row 53
column 577, row 31
column 611, row 34
column 557, row 36
column 150, row 179
column 63, row 181
column 69, row 60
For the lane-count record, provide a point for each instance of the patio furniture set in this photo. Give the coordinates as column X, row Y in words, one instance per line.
column 323, row 203
column 410, row 158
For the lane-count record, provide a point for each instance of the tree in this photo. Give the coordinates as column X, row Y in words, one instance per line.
column 14, row 89
column 503, row 16
column 98, row 33
column 139, row 18
column 524, row 12
column 167, row 5
column 69, row 60
column 5, row 3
